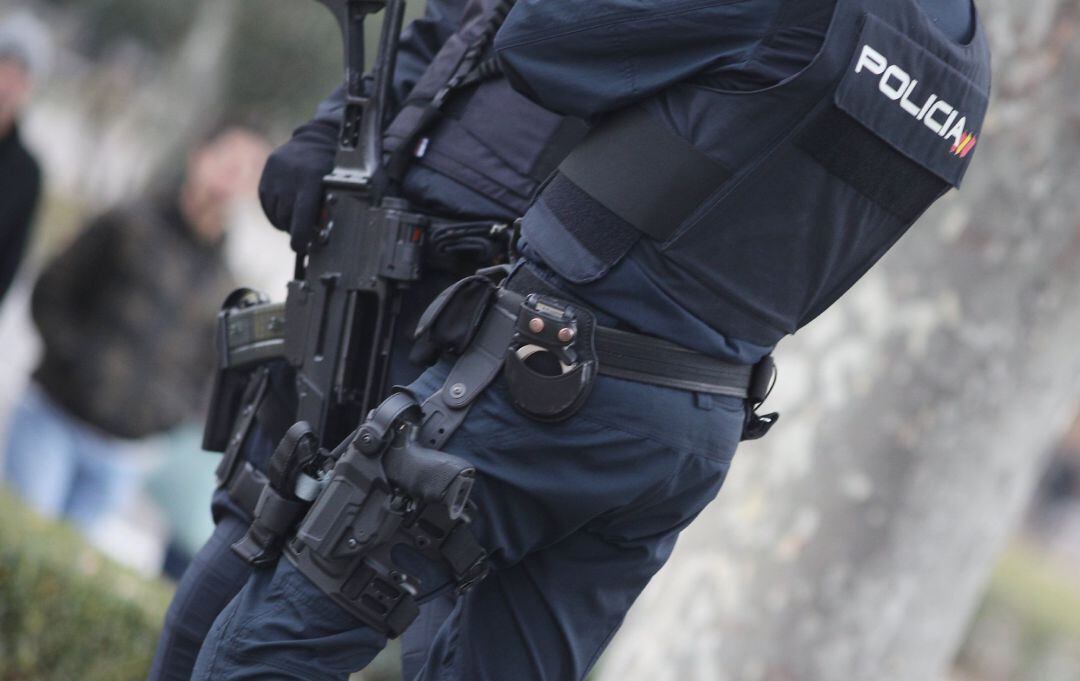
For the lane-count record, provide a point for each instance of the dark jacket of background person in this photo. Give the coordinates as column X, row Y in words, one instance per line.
column 126, row 314
column 20, row 188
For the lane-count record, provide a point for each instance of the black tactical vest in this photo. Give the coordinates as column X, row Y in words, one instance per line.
column 806, row 184
column 463, row 121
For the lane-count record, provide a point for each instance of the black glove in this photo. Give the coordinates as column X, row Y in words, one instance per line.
column 291, row 186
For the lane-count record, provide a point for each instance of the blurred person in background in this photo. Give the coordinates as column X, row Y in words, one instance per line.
column 126, row 314
column 483, row 158
column 24, row 56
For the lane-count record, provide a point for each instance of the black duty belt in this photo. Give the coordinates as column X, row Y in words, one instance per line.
column 647, row 359
column 549, row 347
column 258, row 331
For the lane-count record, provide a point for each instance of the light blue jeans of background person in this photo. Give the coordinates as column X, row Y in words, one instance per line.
column 64, row 468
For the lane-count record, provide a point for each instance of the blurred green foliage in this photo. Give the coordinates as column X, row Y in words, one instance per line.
column 1042, row 593
column 65, row 611
column 1027, row 627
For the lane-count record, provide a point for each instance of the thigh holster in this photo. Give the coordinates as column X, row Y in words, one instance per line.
column 385, row 491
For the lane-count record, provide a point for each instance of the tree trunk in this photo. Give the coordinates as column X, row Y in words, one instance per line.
column 852, row 544
column 157, row 125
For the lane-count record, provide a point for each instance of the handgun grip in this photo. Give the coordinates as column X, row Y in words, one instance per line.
column 430, row 475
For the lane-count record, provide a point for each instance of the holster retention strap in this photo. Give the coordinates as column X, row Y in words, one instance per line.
column 279, row 507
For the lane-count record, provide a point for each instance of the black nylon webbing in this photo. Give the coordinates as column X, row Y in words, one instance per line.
column 634, row 357
column 469, row 72
column 853, row 153
column 246, row 487
column 253, row 396
column 646, row 359
column 643, row 172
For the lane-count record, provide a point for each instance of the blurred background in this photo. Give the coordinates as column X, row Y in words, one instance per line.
column 122, row 92
column 912, row 513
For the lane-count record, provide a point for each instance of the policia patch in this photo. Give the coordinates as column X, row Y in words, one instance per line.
column 921, row 106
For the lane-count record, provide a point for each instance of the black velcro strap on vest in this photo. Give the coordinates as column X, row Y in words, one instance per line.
column 872, row 166
column 643, row 172
column 603, row 233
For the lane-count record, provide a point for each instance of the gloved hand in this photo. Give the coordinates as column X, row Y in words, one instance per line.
column 291, row 186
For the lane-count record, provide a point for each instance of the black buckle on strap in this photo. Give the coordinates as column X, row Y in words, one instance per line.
column 474, row 575
column 762, row 380
column 246, row 487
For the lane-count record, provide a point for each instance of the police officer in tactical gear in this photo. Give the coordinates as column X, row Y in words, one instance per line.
column 478, row 168
column 748, row 163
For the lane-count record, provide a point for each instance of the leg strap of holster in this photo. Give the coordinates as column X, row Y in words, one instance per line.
column 254, row 395
column 259, row 405
column 473, row 372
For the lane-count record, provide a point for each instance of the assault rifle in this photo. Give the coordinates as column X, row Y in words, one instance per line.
column 343, row 303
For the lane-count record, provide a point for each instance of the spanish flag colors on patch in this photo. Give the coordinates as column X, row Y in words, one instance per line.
column 965, row 145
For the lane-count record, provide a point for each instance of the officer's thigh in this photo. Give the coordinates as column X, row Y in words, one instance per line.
column 417, row 640
column 213, row 578
column 578, row 517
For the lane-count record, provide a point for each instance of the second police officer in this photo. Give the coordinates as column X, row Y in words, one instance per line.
column 748, row 163
column 484, row 159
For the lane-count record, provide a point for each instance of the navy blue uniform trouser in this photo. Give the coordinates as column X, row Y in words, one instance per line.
column 212, row 579
column 216, row 574
column 578, row 516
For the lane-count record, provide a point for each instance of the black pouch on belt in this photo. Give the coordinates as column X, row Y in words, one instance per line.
column 451, row 321
column 551, row 364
